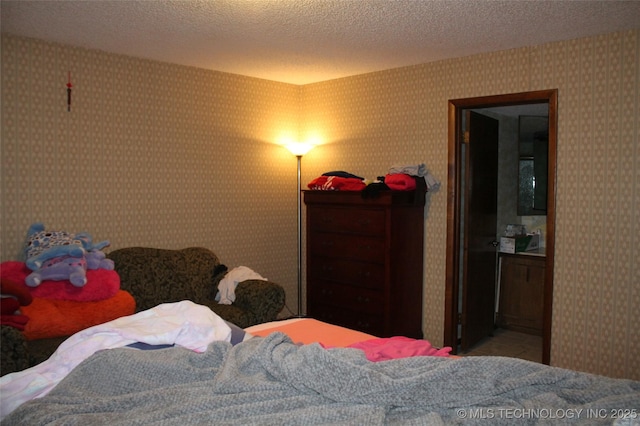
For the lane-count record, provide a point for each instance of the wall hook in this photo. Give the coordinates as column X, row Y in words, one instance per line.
column 69, row 86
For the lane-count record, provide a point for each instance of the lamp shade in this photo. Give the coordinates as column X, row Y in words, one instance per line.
column 299, row 148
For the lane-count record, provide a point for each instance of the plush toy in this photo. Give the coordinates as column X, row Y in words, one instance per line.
column 98, row 260
column 60, row 268
column 44, row 245
column 87, row 242
column 60, row 255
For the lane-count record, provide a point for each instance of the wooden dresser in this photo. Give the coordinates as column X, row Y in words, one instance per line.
column 364, row 260
column 521, row 302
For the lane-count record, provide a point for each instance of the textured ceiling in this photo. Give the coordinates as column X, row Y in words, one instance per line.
column 304, row 41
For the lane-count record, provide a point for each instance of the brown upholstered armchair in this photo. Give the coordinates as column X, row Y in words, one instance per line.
column 154, row 276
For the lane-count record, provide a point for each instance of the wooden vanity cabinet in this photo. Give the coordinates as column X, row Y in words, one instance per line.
column 521, row 293
column 365, row 259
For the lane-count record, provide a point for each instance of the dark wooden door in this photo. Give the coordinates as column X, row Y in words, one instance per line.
column 455, row 194
column 480, row 216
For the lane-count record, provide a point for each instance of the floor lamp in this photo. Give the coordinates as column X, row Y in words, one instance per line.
column 299, row 149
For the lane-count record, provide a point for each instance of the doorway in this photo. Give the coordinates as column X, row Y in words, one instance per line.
column 470, row 309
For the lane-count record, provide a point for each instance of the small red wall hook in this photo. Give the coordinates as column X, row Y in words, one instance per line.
column 69, row 86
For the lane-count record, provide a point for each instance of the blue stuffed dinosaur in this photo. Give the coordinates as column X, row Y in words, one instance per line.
column 44, row 245
column 96, row 259
column 60, row 268
column 60, row 255
column 87, row 242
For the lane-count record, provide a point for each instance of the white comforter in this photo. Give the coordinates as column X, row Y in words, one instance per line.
column 183, row 323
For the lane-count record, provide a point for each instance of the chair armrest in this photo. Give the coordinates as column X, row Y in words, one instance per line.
column 14, row 355
column 263, row 299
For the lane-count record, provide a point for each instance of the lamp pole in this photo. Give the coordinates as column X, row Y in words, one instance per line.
column 299, row 157
column 299, row 149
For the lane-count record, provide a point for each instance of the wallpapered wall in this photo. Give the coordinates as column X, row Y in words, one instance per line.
column 170, row 156
column 151, row 154
column 400, row 116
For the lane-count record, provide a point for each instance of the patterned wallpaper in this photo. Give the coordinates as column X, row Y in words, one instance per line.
column 164, row 155
column 151, row 154
column 400, row 116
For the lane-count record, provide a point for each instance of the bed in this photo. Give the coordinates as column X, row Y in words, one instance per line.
column 199, row 370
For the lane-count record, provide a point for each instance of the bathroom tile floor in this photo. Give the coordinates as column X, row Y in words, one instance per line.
column 509, row 343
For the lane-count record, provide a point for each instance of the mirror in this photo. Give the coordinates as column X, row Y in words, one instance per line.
column 533, row 141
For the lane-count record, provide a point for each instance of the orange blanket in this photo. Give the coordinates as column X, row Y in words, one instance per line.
column 308, row 330
column 59, row 318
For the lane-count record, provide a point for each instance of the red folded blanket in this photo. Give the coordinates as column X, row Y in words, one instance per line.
column 58, row 318
column 13, row 295
column 336, row 183
column 101, row 284
column 400, row 182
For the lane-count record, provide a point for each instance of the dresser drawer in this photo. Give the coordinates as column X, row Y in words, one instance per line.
column 346, row 246
column 344, row 296
column 367, row 323
column 356, row 221
column 361, row 274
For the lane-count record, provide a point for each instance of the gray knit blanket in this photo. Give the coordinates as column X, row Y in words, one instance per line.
column 271, row 381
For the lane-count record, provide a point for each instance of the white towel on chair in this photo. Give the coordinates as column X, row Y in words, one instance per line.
column 226, row 294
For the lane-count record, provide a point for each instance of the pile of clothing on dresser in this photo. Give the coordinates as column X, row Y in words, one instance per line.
column 399, row 178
